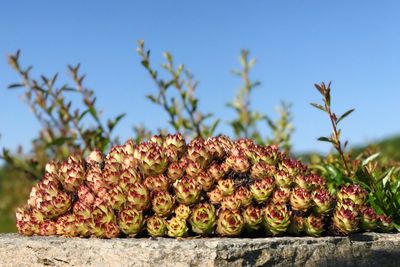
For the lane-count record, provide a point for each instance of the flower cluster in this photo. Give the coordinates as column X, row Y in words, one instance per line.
column 167, row 187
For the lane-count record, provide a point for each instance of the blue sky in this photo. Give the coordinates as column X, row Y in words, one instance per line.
column 355, row 44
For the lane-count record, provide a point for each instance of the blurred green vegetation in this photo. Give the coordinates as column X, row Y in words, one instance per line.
column 14, row 191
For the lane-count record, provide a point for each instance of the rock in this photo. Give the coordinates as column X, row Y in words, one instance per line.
column 369, row 249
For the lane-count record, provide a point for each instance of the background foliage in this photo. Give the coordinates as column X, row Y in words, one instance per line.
column 72, row 123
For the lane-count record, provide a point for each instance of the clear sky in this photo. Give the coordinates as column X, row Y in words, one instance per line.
column 355, row 44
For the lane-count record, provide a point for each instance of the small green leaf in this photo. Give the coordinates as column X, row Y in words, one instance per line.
column 318, row 106
column 370, row 158
column 326, row 139
column 15, row 85
column 347, row 113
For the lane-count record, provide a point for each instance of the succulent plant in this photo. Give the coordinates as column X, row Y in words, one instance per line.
column 230, row 202
column 345, row 220
column 187, row 191
column 156, row 226
column 283, row 179
column 281, row 195
column 385, row 223
column 354, row 192
column 203, row 218
column 239, row 164
column 138, row 197
column 182, row 211
column 368, row 219
column 177, row 227
column 215, row 196
column 130, row 221
column 226, row 186
column 229, row 223
column 322, row 200
column 313, row 225
column 205, row 181
column 217, row 186
column 262, row 189
column 197, row 152
column 162, row 203
column 300, row 199
column 253, row 218
column 156, row 183
column 276, row 219
column 176, row 170
column 243, row 196
column 175, row 142
column 152, row 158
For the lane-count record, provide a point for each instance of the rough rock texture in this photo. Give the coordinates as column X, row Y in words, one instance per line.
column 357, row 250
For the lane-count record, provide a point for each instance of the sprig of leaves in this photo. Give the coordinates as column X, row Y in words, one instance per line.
column 181, row 105
column 334, row 138
column 64, row 127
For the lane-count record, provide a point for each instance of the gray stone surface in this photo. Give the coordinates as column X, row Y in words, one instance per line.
column 357, row 250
